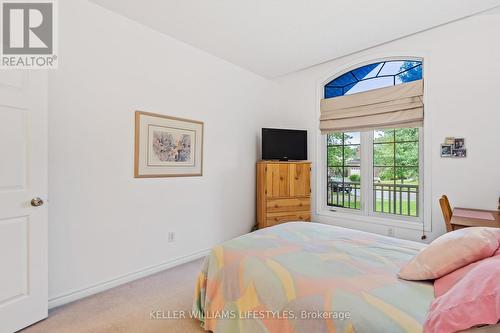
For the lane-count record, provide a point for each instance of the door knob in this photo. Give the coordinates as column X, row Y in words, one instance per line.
column 36, row 202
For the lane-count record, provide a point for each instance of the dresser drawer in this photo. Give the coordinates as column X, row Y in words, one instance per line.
column 277, row 218
column 288, row 205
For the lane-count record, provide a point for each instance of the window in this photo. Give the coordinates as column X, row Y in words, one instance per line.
column 373, row 76
column 390, row 158
column 396, row 171
column 344, row 170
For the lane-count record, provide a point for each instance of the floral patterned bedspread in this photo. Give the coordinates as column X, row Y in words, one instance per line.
column 312, row 278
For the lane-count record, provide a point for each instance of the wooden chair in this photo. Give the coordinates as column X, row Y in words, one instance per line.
column 447, row 212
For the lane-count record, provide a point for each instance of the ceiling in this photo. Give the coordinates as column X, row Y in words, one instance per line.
column 277, row 37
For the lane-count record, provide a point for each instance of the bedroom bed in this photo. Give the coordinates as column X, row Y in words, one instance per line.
column 309, row 277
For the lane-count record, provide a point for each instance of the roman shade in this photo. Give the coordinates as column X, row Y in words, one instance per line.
column 396, row 106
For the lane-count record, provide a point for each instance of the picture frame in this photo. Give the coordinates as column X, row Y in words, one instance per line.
column 166, row 146
column 449, row 140
column 459, row 143
column 459, row 153
column 446, row 150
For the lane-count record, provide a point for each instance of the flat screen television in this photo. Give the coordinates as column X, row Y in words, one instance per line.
column 284, row 144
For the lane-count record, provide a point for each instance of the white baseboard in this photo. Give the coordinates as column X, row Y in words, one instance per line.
column 105, row 285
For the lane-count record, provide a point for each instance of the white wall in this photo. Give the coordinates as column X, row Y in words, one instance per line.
column 462, row 70
column 104, row 224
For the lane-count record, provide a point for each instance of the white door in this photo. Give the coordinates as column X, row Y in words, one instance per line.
column 23, row 177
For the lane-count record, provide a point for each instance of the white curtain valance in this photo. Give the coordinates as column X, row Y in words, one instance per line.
column 396, row 106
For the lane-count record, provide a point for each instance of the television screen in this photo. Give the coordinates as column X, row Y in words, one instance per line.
column 284, row 144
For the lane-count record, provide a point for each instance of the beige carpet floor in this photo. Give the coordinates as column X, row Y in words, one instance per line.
column 127, row 308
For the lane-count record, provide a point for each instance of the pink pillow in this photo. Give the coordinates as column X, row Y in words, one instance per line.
column 474, row 300
column 445, row 283
column 451, row 251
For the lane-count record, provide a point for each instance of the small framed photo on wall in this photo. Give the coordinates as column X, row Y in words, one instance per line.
column 459, row 152
column 453, row 147
column 449, row 140
column 446, row 150
column 459, row 143
column 167, row 146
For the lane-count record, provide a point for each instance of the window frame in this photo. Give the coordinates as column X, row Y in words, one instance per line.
column 329, row 85
column 367, row 168
column 420, row 212
column 359, row 219
column 343, row 167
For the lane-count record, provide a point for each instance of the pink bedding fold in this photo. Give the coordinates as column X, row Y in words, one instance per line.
column 467, row 297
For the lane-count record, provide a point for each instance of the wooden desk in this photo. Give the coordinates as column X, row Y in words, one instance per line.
column 458, row 222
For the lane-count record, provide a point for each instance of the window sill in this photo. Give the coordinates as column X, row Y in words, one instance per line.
column 373, row 220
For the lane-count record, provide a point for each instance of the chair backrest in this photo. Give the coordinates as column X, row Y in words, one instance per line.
column 446, row 209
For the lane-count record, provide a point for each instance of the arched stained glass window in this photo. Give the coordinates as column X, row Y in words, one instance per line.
column 374, row 76
column 391, row 169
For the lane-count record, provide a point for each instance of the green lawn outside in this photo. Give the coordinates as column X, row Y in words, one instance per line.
column 391, row 182
column 378, row 207
column 413, row 207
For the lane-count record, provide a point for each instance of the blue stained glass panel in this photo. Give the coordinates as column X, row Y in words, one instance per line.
column 412, row 74
column 333, row 92
column 362, row 72
column 374, row 76
column 345, row 79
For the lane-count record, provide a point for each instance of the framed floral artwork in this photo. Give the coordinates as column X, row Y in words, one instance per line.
column 167, row 146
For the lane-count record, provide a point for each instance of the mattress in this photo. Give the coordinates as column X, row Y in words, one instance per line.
column 309, row 277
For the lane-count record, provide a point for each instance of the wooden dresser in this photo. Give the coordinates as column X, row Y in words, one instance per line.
column 283, row 192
